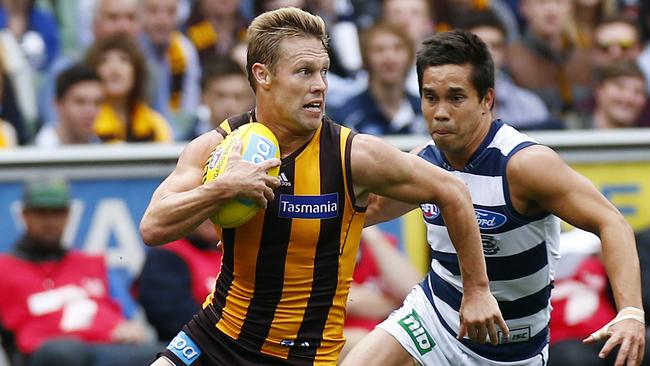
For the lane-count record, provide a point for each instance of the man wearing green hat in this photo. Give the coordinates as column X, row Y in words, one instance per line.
column 55, row 303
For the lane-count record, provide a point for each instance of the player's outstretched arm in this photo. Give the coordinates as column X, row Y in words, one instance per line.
column 182, row 202
column 380, row 168
column 560, row 190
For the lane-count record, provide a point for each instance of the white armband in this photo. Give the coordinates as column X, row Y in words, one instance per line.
column 628, row 312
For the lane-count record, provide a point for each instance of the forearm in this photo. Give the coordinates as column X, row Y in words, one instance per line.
column 177, row 214
column 622, row 264
column 460, row 220
column 381, row 209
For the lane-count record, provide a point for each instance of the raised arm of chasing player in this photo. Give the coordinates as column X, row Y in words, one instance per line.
column 182, row 202
column 380, row 168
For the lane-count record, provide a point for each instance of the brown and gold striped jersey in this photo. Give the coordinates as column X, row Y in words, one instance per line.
column 286, row 273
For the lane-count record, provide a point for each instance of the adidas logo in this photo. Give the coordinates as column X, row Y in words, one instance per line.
column 284, row 182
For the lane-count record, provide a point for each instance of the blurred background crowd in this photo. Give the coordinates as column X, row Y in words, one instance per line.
column 163, row 71
column 92, row 71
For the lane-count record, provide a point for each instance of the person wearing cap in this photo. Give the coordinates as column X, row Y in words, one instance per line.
column 55, row 302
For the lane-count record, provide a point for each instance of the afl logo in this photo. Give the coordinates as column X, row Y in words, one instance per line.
column 489, row 220
column 429, row 211
column 216, row 155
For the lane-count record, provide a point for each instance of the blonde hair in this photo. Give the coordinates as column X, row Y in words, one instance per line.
column 269, row 29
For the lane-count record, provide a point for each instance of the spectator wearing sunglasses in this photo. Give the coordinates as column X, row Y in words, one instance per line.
column 615, row 38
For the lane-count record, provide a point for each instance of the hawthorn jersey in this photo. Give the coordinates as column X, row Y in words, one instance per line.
column 521, row 252
column 286, row 273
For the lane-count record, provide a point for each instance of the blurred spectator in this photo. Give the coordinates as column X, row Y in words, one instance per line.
column 7, row 135
column 173, row 64
column 582, row 304
column 177, row 278
column 124, row 115
column 588, row 14
column 79, row 95
column 35, row 30
column 215, row 27
column 451, row 14
column 519, row 107
column 615, row 38
column 382, row 279
column 620, row 96
column 225, row 92
column 547, row 61
column 644, row 57
column 416, row 18
column 9, row 110
column 109, row 17
column 60, row 311
column 385, row 107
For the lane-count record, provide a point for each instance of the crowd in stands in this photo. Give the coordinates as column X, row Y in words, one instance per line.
column 165, row 66
column 162, row 71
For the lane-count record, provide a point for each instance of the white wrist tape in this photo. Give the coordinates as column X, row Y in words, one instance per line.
column 627, row 312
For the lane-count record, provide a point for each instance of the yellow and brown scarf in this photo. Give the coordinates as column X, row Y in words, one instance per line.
column 177, row 65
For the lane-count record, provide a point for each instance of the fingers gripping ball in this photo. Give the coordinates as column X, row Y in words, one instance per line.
column 258, row 144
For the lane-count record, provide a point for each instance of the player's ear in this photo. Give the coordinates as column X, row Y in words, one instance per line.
column 487, row 104
column 262, row 75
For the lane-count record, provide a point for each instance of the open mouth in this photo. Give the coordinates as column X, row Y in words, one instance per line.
column 313, row 107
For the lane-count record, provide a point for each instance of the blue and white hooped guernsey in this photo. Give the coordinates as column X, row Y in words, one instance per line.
column 521, row 252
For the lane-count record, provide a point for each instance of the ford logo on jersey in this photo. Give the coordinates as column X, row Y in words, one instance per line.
column 488, row 219
column 324, row 206
column 429, row 211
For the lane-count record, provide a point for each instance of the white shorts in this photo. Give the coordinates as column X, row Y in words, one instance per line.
column 417, row 328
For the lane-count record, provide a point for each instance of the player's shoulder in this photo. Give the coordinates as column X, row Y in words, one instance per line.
column 533, row 160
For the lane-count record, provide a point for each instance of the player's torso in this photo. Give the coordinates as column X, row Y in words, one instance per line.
column 520, row 251
column 286, row 273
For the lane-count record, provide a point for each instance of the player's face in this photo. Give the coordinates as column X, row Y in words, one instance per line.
column 299, row 83
column 456, row 117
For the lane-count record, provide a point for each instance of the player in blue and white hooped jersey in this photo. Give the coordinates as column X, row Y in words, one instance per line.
column 519, row 189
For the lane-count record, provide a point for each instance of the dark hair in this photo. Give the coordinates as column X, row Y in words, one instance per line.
column 620, row 68
column 220, row 67
column 458, row 47
column 73, row 75
column 482, row 18
column 128, row 45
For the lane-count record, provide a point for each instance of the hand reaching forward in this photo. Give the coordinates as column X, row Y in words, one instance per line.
column 479, row 317
column 249, row 180
column 626, row 330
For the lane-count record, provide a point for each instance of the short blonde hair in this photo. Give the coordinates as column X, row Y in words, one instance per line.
column 267, row 31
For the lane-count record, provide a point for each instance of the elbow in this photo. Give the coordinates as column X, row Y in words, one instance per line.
column 150, row 234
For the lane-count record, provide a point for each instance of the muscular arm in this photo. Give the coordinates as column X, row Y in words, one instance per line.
column 379, row 168
column 560, row 190
column 181, row 202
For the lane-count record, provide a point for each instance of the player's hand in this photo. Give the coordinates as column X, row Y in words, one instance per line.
column 251, row 180
column 480, row 316
column 630, row 335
